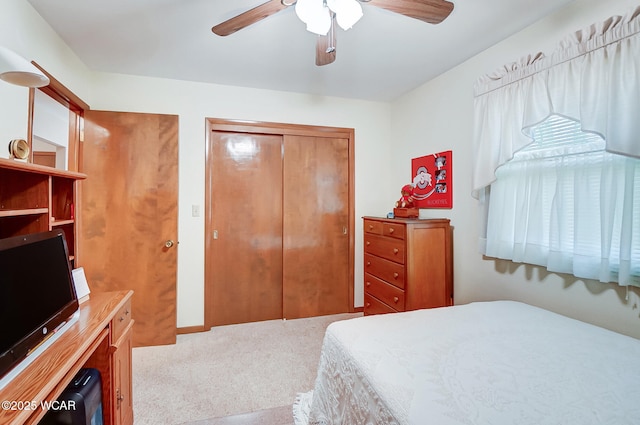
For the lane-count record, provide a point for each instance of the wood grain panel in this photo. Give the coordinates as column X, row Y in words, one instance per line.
column 430, row 260
column 23, row 190
column 315, row 226
column 372, row 305
column 389, row 294
column 129, row 211
column 391, row 249
column 374, row 227
column 249, row 17
column 388, row 270
column 245, row 256
column 430, row 11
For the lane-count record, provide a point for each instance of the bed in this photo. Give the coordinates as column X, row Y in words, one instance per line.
column 498, row 363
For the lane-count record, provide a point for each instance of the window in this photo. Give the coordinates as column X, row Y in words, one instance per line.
column 557, row 148
column 565, row 203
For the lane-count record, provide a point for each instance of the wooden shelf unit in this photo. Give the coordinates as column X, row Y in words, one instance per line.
column 35, row 198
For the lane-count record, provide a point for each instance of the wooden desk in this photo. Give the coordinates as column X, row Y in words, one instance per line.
column 101, row 338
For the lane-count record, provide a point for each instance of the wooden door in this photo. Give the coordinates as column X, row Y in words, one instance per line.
column 315, row 226
column 129, row 215
column 245, row 245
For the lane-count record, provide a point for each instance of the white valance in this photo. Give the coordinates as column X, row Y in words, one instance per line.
column 593, row 77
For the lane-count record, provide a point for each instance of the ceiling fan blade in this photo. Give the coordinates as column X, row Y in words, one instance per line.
column 326, row 46
column 249, row 17
column 430, row 11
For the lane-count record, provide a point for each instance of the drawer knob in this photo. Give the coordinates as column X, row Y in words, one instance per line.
column 391, row 230
column 371, row 227
column 368, row 263
column 395, row 250
column 396, row 299
column 395, row 275
column 368, row 283
column 368, row 304
column 368, row 243
column 121, row 318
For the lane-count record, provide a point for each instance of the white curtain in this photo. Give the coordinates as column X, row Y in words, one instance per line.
column 593, row 77
column 568, row 205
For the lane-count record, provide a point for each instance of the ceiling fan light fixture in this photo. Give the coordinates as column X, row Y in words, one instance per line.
column 315, row 15
column 348, row 12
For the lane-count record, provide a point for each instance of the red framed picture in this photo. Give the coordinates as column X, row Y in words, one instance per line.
column 432, row 179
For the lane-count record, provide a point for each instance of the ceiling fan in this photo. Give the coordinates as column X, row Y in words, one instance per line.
column 321, row 17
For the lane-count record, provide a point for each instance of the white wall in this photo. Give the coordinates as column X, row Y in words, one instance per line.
column 23, row 31
column 439, row 116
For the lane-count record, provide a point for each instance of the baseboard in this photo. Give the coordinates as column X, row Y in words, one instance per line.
column 358, row 310
column 191, row 330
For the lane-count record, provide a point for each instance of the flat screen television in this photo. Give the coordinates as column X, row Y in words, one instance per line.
column 37, row 294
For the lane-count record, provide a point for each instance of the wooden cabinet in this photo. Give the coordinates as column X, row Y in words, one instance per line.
column 101, row 339
column 408, row 264
column 35, row 198
column 121, row 346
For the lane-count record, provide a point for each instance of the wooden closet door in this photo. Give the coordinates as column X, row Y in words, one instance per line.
column 245, row 244
column 315, row 226
column 130, row 215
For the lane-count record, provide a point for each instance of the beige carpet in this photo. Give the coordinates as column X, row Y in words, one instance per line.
column 227, row 371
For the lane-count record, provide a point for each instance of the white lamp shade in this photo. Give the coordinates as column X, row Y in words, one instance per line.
column 17, row 70
column 348, row 12
column 315, row 14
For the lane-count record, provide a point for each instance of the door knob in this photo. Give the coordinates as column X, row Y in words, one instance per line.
column 168, row 243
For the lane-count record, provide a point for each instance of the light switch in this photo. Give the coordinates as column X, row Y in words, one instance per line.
column 195, row 210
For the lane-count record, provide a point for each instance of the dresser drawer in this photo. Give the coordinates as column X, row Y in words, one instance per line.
column 374, row 306
column 389, row 248
column 386, row 270
column 371, row 226
column 388, row 294
column 120, row 321
column 393, row 230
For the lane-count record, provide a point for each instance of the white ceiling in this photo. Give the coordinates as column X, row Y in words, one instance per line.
column 382, row 57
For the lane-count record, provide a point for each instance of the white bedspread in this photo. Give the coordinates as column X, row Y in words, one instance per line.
column 498, row 363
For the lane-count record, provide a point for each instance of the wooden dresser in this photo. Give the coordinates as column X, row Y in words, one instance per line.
column 100, row 339
column 408, row 264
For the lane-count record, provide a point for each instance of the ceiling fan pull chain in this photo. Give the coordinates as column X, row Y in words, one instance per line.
column 331, row 47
